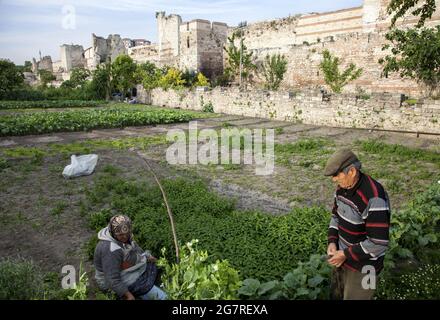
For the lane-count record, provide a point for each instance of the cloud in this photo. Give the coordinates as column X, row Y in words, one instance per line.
column 182, row 7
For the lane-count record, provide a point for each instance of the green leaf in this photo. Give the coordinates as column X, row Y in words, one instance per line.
column 267, row 286
column 249, row 288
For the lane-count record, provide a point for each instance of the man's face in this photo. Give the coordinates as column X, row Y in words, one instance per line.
column 345, row 180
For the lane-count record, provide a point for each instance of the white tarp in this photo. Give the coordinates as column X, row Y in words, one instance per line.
column 80, row 166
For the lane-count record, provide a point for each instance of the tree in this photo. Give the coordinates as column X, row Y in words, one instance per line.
column 273, row 68
column 79, row 76
column 27, row 67
column 45, row 77
column 333, row 76
column 415, row 54
column 10, row 77
column 123, row 73
column 101, row 81
column 148, row 75
column 237, row 54
column 424, row 9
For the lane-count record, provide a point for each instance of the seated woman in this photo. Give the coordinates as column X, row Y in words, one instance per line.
column 122, row 266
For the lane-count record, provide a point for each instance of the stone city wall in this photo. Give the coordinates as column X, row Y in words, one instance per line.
column 380, row 111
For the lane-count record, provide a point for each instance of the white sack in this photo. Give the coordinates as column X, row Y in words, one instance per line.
column 80, row 166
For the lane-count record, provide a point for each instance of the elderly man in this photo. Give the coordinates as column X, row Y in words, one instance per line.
column 358, row 234
column 122, row 266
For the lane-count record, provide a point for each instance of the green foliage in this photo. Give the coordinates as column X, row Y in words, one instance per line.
column 309, row 280
column 172, row 80
column 397, row 151
column 201, row 80
column 45, row 77
column 415, row 54
column 44, row 122
column 27, row 67
column 208, row 107
column 101, row 83
column 333, row 76
column 400, row 7
column 414, row 229
column 123, row 73
column 20, row 279
column 80, row 288
column 420, row 284
column 237, row 55
column 312, row 148
column 241, row 237
column 149, row 75
column 50, row 104
column 194, row 278
column 78, row 77
column 273, row 69
column 10, row 77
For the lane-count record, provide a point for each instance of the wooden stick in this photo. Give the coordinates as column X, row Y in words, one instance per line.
column 170, row 215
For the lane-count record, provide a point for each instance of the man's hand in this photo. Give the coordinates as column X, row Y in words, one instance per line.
column 129, row 296
column 331, row 249
column 152, row 259
column 337, row 259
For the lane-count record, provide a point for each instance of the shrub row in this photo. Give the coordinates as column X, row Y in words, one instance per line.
column 50, row 104
column 46, row 122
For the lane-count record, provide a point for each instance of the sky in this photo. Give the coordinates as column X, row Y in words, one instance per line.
column 30, row 26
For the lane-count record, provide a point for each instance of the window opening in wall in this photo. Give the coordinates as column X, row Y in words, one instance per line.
column 187, row 42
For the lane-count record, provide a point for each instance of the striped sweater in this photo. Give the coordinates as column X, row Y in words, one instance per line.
column 360, row 223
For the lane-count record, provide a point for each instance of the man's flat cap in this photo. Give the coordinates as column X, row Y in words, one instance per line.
column 338, row 161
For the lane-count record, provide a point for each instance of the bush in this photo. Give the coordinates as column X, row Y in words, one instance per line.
column 309, row 280
column 20, row 279
column 201, row 80
column 333, row 76
column 194, row 278
column 421, row 284
column 273, row 69
column 172, row 80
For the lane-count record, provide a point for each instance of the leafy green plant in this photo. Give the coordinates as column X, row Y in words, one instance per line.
column 414, row 229
column 51, row 104
column 273, row 68
column 208, row 107
column 414, row 55
column 80, row 288
column 20, row 279
column 194, row 278
column 309, row 280
column 398, row 9
column 241, row 237
column 420, row 284
column 333, row 76
column 43, row 122
column 201, row 80
column 172, row 80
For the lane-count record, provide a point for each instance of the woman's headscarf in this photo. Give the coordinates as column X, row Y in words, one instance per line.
column 120, row 224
